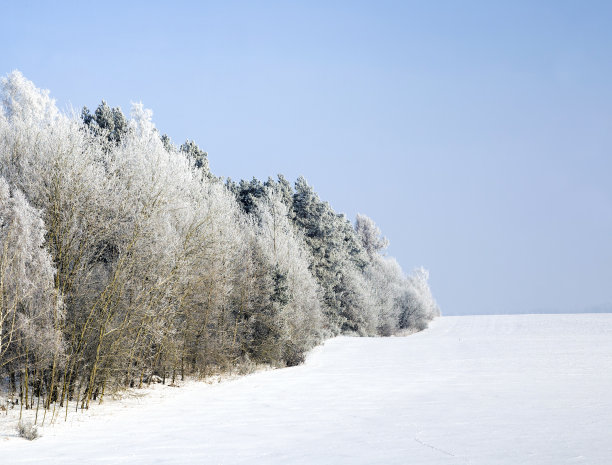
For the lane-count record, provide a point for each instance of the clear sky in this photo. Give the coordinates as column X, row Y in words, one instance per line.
column 477, row 134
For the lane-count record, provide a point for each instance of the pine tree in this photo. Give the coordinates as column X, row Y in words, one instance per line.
column 248, row 192
column 106, row 122
column 194, row 153
column 336, row 252
column 370, row 236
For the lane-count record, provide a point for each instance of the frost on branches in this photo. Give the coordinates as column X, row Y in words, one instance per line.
column 123, row 257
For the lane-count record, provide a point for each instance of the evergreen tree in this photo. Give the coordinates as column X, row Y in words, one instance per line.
column 248, row 192
column 168, row 145
column 107, row 122
column 198, row 156
column 335, row 252
column 370, row 236
column 284, row 189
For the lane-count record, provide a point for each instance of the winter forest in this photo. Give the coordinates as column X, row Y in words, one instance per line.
column 124, row 258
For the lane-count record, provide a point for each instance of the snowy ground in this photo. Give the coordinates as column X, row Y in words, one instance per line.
column 524, row 389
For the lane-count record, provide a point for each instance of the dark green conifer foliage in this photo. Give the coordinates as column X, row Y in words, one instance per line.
column 120, row 125
column 195, row 153
column 248, row 192
column 106, row 121
column 335, row 250
column 284, row 188
column 168, row 145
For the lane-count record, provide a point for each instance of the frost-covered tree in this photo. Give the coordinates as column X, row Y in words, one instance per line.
column 168, row 145
column 335, row 252
column 402, row 302
column 370, row 236
column 31, row 310
column 199, row 157
column 248, row 192
column 418, row 305
column 294, row 293
column 29, row 306
column 23, row 101
column 284, row 189
column 106, row 121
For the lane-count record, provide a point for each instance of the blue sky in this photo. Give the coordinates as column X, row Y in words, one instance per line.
column 478, row 135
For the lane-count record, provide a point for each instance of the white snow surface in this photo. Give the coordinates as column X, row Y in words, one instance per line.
column 520, row 389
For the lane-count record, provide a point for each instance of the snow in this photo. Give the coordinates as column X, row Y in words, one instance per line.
column 520, row 389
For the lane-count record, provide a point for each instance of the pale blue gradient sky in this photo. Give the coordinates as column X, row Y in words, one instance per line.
column 478, row 135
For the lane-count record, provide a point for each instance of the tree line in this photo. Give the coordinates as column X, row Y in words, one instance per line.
column 122, row 257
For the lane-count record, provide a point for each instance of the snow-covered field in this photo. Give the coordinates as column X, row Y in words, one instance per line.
column 524, row 389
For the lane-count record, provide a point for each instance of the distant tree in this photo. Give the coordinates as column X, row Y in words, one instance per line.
column 120, row 125
column 370, row 236
column 418, row 305
column 107, row 122
column 283, row 188
column 248, row 192
column 194, row 153
column 168, row 145
column 293, row 321
column 103, row 116
column 24, row 104
column 87, row 117
column 335, row 253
